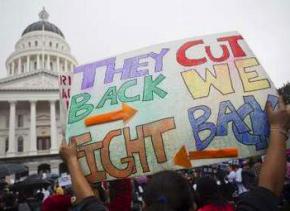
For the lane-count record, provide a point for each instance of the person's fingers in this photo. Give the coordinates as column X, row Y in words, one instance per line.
column 63, row 141
column 73, row 145
column 281, row 104
column 269, row 108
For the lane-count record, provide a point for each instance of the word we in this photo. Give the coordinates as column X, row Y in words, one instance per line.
column 220, row 78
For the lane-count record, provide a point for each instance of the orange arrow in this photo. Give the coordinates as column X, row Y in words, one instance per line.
column 182, row 158
column 123, row 114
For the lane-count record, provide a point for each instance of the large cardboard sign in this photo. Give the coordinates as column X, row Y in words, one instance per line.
column 175, row 105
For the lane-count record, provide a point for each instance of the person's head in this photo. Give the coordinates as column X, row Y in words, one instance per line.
column 168, row 190
column 208, row 192
column 246, row 165
column 232, row 167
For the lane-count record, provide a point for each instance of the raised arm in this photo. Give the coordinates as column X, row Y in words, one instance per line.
column 80, row 185
column 273, row 169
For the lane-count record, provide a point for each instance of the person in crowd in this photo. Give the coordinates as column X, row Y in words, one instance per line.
column 2, row 204
column 248, row 176
column 232, row 176
column 33, row 203
column 58, row 189
column 256, row 168
column 209, row 197
column 10, row 203
column 239, row 181
column 59, row 201
column 22, row 203
column 45, row 193
column 169, row 191
column 120, row 195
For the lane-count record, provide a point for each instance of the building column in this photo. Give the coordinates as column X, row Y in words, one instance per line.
column 70, row 67
column 57, row 64
column 53, row 128
column 10, row 68
column 11, row 148
column 38, row 62
column 28, row 64
column 19, row 66
column 33, row 146
column 48, row 62
column 65, row 65
column 13, row 67
column 43, row 63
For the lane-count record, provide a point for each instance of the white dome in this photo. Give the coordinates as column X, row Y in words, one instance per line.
column 41, row 47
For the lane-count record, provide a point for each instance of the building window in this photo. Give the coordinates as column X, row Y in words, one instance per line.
column 29, row 44
column 43, row 143
column 50, row 44
column 36, row 43
column 35, row 65
column 56, row 45
column 20, row 120
column 6, row 144
column 51, row 65
column 20, row 144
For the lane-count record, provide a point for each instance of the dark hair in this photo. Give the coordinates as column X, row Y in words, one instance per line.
column 208, row 192
column 168, row 190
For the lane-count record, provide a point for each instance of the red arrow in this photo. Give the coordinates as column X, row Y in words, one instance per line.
column 125, row 113
column 182, row 158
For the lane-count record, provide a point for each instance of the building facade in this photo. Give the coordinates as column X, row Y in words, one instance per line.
column 30, row 130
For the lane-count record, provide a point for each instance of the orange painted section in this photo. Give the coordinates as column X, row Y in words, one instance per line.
column 214, row 153
column 123, row 114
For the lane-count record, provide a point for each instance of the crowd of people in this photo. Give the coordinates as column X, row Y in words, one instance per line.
column 261, row 183
column 220, row 184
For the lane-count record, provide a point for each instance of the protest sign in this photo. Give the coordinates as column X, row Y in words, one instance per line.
column 175, row 105
column 64, row 82
column 64, row 180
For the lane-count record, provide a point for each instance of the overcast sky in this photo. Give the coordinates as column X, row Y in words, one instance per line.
column 100, row 28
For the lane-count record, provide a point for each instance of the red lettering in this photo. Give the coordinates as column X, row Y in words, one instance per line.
column 64, row 94
column 224, row 56
column 235, row 47
column 62, row 80
column 182, row 58
column 67, row 104
column 69, row 80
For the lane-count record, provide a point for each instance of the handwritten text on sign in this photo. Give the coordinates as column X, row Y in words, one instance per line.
column 184, row 103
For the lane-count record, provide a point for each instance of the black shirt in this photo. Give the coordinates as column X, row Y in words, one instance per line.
column 258, row 199
column 90, row 204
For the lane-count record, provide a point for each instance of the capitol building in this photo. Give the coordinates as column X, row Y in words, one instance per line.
column 30, row 129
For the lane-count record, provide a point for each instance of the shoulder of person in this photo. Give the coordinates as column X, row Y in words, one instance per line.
column 258, row 199
column 90, row 204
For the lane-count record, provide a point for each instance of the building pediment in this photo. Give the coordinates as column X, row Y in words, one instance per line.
column 39, row 80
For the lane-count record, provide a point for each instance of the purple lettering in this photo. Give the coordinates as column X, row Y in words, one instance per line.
column 89, row 71
column 159, row 59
